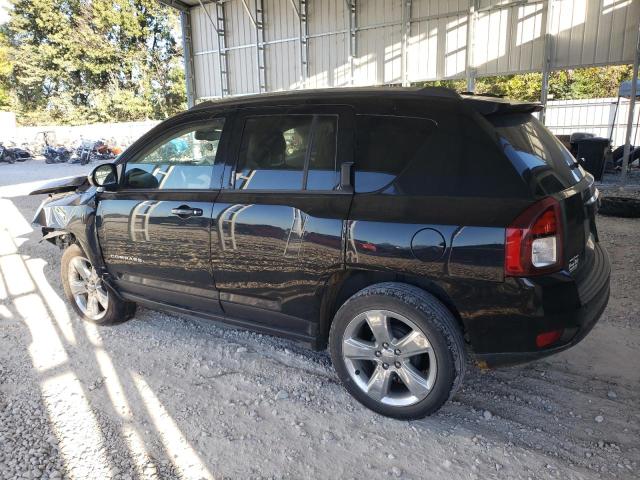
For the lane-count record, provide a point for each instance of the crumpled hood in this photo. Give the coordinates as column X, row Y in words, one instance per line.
column 58, row 211
column 61, row 185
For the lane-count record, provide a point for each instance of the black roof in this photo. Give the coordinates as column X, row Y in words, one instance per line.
column 484, row 104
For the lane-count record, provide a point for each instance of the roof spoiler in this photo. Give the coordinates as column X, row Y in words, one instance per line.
column 495, row 105
column 439, row 92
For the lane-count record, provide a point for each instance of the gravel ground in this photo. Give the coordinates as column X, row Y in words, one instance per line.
column 166, row 396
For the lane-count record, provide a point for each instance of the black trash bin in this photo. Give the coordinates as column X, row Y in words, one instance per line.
column 590, row 152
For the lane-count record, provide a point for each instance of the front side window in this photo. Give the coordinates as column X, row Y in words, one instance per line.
column 185, row 160
column 288, row 152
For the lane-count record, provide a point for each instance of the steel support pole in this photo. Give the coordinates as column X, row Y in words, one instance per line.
column 351, row 7
column 260, row 47
column 406, row 31
column 470, row 70
column 632, row 104
column 301, row 10
column 218, row 27
column 187, row 52
column 222, row 50
column 546, row 66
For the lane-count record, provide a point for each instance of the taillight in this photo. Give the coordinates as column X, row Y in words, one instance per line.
column 534, row 240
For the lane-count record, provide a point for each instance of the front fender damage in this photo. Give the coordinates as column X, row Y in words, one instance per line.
column 70, row 218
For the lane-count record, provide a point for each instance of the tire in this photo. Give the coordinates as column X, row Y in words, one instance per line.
column 623, row 207
column 10, row 157
column 116, row 311
column 428, row 318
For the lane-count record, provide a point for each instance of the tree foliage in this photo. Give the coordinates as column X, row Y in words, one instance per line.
column 593, row 82
column 5, row 73
column 78, row 61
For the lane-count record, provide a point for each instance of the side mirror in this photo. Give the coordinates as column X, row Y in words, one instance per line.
column 105, row 176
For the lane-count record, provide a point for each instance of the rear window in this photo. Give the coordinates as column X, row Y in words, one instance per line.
column 536, row 153
column 451, row 155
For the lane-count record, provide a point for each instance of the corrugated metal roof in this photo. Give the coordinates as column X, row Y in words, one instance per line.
column 444, row 39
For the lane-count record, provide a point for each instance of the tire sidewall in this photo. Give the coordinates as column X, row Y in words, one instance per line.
column 446, row 372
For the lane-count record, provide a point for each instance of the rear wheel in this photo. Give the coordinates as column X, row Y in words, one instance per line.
column 398, row 350
column 87, row 293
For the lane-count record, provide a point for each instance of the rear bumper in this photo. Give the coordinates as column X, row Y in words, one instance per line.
column 574, row 307
column 587, row 316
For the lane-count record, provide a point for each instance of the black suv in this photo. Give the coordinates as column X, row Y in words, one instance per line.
column 402, row 227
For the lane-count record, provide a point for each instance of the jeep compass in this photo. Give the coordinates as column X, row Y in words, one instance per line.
column 409, row 230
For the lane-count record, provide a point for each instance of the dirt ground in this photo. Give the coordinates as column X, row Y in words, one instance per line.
column 165, row 396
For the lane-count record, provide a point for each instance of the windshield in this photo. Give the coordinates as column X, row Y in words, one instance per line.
column 536, row 153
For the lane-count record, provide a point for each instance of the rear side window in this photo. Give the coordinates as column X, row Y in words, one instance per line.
column 288, row 152
column 385, row 145
column 454, row 155
column 534, row 151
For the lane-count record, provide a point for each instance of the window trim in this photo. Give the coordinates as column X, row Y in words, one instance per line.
column 305, row 172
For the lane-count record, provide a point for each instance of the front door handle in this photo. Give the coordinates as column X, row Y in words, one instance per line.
column 185, row 211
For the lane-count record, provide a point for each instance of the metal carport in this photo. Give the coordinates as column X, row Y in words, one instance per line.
column 237, row 47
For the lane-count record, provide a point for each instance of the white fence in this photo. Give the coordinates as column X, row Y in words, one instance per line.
column 595, row 116
column 122, row 134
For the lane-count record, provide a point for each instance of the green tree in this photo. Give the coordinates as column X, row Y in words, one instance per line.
column 5, row 72
column 594, row 82
column 78, row 61
column 598, row 82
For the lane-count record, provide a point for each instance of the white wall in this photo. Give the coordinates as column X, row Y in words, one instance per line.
column 7, row 126
column 592, row 116
column 410, row 40
column 122, row 134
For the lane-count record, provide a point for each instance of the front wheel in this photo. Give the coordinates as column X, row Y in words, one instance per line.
column 88, row 294
column 398, row 350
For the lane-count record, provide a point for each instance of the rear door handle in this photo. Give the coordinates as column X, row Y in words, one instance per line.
column 185, row 211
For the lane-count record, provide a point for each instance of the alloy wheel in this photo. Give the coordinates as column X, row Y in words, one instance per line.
column 87, row 288
column 389, row 358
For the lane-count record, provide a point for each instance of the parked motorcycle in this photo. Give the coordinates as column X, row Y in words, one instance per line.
column 51, row 154
column 98, row 150
column 13, row 154
column 82, row 152
column 6, row 154
column 56, row 154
